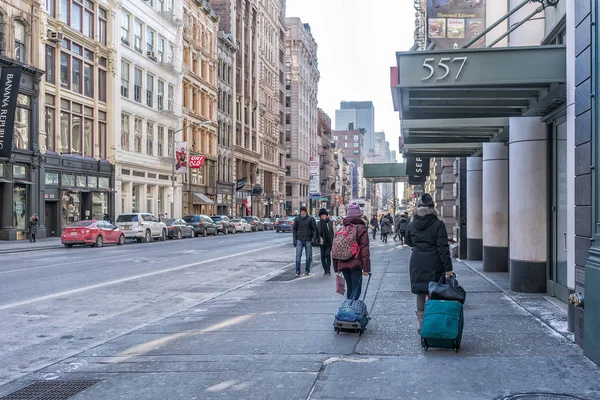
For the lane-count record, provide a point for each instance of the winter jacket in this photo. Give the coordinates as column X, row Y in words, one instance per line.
column 386, row 226
column 402, row 224
column 326, row 234
column 305, row 228
column 374, row 224
column 33, row 225
column 362, row 238
column 430, row 257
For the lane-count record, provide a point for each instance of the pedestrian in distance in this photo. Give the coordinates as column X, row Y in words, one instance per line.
column 374, row 225
column 430, row 258
column 33, row 226
column 396, row 231
column 401, row 227
column 305, row 234
column 326, row 232
column 386, row 227
column 355, row 267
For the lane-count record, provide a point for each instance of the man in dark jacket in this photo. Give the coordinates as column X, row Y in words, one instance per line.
column 305, row 233
column 430, row 257
column 401, row 227
column 325, row 240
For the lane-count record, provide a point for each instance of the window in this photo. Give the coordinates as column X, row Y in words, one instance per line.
column 170, row 53
column 161, row 140
column 88, row 136
column 100, row 140
column 137, row 85
column 76, row 121
column 22, row 122
column 88, row 80
column 76, row 11
column 51, row 7
column 50, row 60
column 137, row 36
column 20, row 46
column 102, row 25
column 62, row 140
column 288, row 119
column 64, row 70
column 124, row 79
column 170, row 97
column 125, row 131
column 170, row 138
column 161, row 50
column 355, row 138
column 169, row 5
column 137, row 131
column 150, row 138
column 76, row 75
column 102, row 85
column 149, row 40
column 88, row 19
column 125, row 24
column 288, row 101
column 161, row 94
column 161, row 5
column 149, row 2
column 50, row 123
column 149, row 90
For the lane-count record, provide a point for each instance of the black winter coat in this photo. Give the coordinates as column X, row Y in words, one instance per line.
column 305, row 228
column 326, row 234
column 430, row 257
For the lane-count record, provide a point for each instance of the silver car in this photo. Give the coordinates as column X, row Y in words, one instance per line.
column 142, row 227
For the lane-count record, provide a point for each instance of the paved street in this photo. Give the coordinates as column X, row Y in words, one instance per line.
column 171, row 321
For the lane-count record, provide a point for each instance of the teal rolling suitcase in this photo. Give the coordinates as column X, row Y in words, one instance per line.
column 442, row 324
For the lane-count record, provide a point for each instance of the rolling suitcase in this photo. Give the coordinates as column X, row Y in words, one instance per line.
column 353, row 315
column 442, row 325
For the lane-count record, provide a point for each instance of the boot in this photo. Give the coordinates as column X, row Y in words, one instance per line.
column 419, row 320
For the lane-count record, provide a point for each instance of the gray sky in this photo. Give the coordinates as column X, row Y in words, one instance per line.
column 357, row 43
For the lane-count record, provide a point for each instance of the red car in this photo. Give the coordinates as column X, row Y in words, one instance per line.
column 95, row 233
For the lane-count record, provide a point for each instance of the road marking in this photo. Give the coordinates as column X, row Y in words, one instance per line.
column 117, row 281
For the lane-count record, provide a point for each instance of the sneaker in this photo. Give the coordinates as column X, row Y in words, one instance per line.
column 327, row 273
column 307, row 273
column 297, row 273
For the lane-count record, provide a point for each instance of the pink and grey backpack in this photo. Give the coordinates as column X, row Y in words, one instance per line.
column 344, row 245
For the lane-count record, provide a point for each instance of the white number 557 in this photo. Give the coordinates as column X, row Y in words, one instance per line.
column 442, row 64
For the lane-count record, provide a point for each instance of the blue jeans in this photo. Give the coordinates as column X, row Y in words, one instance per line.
column 303, row 244
column 353, row 279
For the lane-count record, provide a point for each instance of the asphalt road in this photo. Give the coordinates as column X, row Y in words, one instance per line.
column 56, row 303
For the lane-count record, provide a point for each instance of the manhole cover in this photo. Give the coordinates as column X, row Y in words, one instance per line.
column 541, row 396
column 50, row 390
column 287, row 275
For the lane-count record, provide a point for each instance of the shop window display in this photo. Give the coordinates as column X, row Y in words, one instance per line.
column 70, row 208
column 99, row 205
column 19, row 206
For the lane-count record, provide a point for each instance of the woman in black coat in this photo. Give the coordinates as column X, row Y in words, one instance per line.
column 430, row 257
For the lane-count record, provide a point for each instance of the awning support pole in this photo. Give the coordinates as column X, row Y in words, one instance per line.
column 495, row 24
column 516, row 26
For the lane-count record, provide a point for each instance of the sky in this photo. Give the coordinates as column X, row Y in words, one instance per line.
column 357, row 43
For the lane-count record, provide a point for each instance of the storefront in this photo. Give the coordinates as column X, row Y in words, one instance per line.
column 76, row 188
column 224, row 199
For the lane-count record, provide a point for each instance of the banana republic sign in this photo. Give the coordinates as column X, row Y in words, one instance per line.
column 9, row 90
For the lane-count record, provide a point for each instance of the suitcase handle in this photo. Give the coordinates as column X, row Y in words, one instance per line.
column 367, row 288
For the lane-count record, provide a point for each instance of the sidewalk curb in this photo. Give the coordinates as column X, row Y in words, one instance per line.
column 514, row 299
column 11, row 251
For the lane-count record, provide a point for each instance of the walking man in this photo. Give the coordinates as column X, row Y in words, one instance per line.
column 402, row 225
column 305, row 233
column 325, row 240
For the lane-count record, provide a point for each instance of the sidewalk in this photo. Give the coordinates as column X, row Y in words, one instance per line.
column 274, row 340
column 18, row 246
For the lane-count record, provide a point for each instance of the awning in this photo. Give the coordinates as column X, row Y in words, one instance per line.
column 5, row 181
column 202, row 199
column 23, row 182
column 480, row 82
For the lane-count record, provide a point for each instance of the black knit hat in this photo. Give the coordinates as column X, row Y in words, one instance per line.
column 323, row 211
column 426, row 201
column 303, row 208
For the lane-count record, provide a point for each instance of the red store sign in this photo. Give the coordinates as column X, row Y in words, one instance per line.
column 196, row 161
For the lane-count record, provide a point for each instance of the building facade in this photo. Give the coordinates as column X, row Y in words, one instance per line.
column 351, row 142
column 362, row 115
column 76, row 53
column 226, row 48
column 147, row 106
column 271, row 61
column 302, row 79
column 326, row 163
column 21, row 171
column 200, row 125
column 240, row 19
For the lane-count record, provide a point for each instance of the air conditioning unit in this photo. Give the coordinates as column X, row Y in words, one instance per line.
column 150, row 54
column 54, row 36
column 195, row 57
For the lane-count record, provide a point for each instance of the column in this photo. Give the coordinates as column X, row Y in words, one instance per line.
column 6, row 230
column 474, row 221
column 494, row 211
column 528, row 204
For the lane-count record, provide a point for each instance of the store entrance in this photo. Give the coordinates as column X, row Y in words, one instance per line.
column 52, row 228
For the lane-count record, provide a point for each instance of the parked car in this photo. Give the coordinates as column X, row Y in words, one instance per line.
column 142, row 227
column 92, row 232
column 255, row 223
column 241, row 225
column 224, row 224
column 202, row 224
column 178, row 228
column 267, row 224
column 284, row 224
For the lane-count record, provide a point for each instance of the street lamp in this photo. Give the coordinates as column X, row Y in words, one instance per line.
column 173, row 162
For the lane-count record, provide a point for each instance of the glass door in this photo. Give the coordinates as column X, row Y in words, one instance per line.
column 558, row 273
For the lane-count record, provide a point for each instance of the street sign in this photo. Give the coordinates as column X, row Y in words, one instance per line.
column 313, row 167
column 197, row 161
column 314, row 185
column 314, row 196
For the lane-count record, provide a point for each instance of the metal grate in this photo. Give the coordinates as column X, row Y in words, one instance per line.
column 50, row 390
column 287, row 275
column 541, row 396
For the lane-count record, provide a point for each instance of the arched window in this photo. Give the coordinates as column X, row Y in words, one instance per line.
column 20, row 44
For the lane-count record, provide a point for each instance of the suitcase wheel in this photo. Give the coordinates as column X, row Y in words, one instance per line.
column 337, row 330
column 424, row 344
column 456, row 346
column 360, row 332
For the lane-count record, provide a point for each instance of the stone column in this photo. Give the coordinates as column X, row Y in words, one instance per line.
column 495, row 207
column 474, row 203
column 528, row 193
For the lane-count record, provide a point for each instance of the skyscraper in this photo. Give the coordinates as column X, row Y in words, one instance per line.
column 362, row 115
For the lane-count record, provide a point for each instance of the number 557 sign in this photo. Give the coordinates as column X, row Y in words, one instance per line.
column 443, row 67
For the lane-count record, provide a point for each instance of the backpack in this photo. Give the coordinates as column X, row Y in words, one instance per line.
column 344, row 245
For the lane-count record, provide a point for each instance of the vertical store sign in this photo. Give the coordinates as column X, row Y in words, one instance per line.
column 417, row 170
column 9, row 90
column 181, row 154
column 314, row 176
column 452, row 23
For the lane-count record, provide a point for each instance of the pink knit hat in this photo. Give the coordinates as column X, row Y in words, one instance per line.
column 354, row 210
